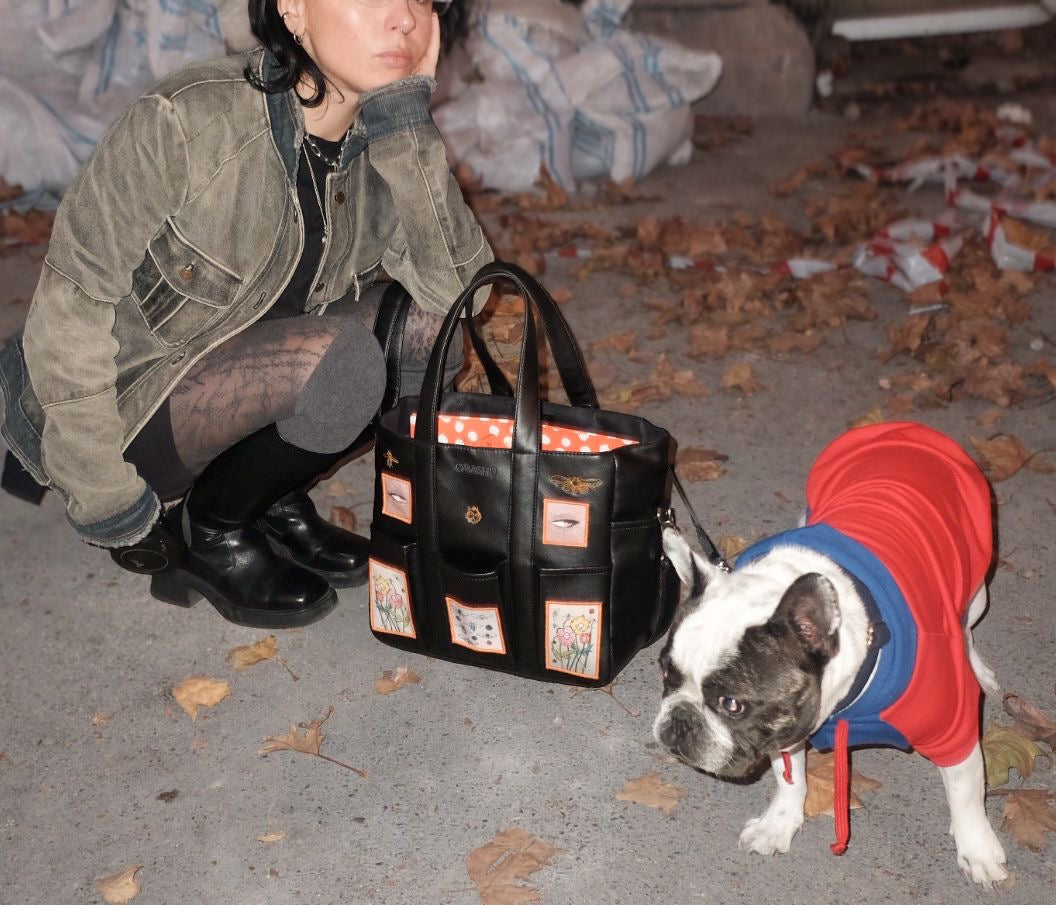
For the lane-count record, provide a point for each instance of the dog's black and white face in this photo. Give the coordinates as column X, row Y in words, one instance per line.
column 743, row 664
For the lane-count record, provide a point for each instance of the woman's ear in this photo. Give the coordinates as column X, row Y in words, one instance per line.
column 292, row 13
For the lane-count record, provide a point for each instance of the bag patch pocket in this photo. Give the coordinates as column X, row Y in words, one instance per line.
column 390, row 600
column 477, row 627
column 573, row 637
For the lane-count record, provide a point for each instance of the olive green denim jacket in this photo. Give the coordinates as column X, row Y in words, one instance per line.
column 181, row 230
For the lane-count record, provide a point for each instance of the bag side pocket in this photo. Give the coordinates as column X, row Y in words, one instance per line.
column 575, row 621
column 636, row 587
column 398, row 615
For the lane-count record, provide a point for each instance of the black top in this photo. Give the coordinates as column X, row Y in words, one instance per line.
column 292, row 301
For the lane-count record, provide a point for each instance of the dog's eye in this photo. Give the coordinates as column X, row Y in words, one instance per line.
column 731, row 706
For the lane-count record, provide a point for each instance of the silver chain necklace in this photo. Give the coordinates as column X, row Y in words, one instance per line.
column 317, row 151
column 318, row 197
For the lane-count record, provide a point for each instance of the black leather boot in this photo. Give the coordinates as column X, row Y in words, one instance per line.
column 228, row 560
column 298, row 532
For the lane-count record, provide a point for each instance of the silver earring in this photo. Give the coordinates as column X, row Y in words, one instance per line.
column 298, row 39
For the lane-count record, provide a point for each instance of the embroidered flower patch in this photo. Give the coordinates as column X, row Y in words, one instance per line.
column 390, row 601
column 573, row 632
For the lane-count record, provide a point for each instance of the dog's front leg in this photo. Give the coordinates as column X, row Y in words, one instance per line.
column 978, row 850
column 773, row 831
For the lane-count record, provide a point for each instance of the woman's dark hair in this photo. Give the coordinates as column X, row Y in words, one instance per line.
column 294, row 63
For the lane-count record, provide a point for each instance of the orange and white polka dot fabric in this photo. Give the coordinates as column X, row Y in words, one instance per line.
column 497, row 433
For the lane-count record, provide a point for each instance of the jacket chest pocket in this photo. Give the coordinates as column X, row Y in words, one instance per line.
column 181, row 292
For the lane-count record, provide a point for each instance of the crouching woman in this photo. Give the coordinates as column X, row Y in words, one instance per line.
column 201, row 328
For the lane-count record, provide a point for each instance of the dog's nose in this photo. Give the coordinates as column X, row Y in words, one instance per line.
column 680, row 732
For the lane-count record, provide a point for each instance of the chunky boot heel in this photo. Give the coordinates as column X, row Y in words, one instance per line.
column 172, row 587
column 227, row 559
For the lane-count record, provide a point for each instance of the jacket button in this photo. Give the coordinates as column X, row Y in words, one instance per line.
column 187, row 272
column 319, row 288
column 178, row 357
column 340, row 197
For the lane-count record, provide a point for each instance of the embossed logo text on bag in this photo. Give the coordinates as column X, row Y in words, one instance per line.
column 485, row 471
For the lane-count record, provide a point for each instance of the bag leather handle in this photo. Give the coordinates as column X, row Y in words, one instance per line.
column 567, row 356
column 390, row 328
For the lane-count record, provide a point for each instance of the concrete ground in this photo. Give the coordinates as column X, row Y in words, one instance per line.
column 100, row 769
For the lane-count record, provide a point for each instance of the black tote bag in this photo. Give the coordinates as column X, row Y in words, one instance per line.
column 529, row 555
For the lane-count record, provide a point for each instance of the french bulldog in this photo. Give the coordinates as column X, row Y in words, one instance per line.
column 862, row 615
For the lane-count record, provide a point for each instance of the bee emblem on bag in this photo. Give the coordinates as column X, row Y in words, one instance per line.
column 574, row 485
column 390, row 459
column 473, row 515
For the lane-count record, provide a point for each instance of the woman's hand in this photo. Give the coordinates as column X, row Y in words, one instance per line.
column 427, row 65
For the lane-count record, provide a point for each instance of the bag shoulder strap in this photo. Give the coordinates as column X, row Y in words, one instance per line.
column 709, row 548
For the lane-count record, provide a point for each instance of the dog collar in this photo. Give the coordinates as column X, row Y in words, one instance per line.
column 878, row 635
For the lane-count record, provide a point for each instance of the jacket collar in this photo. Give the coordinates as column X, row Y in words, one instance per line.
column 286, row 119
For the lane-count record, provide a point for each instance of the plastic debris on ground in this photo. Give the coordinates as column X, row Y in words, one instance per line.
column 573, row 91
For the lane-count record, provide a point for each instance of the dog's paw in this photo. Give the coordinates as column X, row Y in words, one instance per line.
column 770, row 834
column 983, row 860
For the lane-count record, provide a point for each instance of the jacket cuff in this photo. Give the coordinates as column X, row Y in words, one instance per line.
column 396, row 107
column 124, row 528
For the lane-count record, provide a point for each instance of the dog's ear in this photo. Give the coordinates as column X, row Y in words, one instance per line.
column 693, row 570
column 810, row 608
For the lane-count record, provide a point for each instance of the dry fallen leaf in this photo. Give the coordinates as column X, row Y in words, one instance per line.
column 652, row 791
column 623, row 343
column 1031, row 720
column 251, row 654
column 875, row 416
column 343, row 517
column 394, row 680
column 309, row 742
column 271, row 837
column 698, row 464
column 1004, row 750
column 1003, row 455
column 730, row 545
column 500, row 867
column 990, row 417
column 562, row 296
column 739, row 376
column 1028, row 815
column 120, row 888
column 200, row 691
column 821, row 784
column 337, row 487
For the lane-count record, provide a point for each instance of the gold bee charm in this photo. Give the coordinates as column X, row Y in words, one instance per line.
column 473, row 515
column 574, row 485
column 390, row 459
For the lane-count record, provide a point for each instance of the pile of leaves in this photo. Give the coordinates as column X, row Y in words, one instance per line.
column 728, row 293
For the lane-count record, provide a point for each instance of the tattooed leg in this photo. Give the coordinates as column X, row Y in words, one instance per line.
column 252, row 380
column 419, row 337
